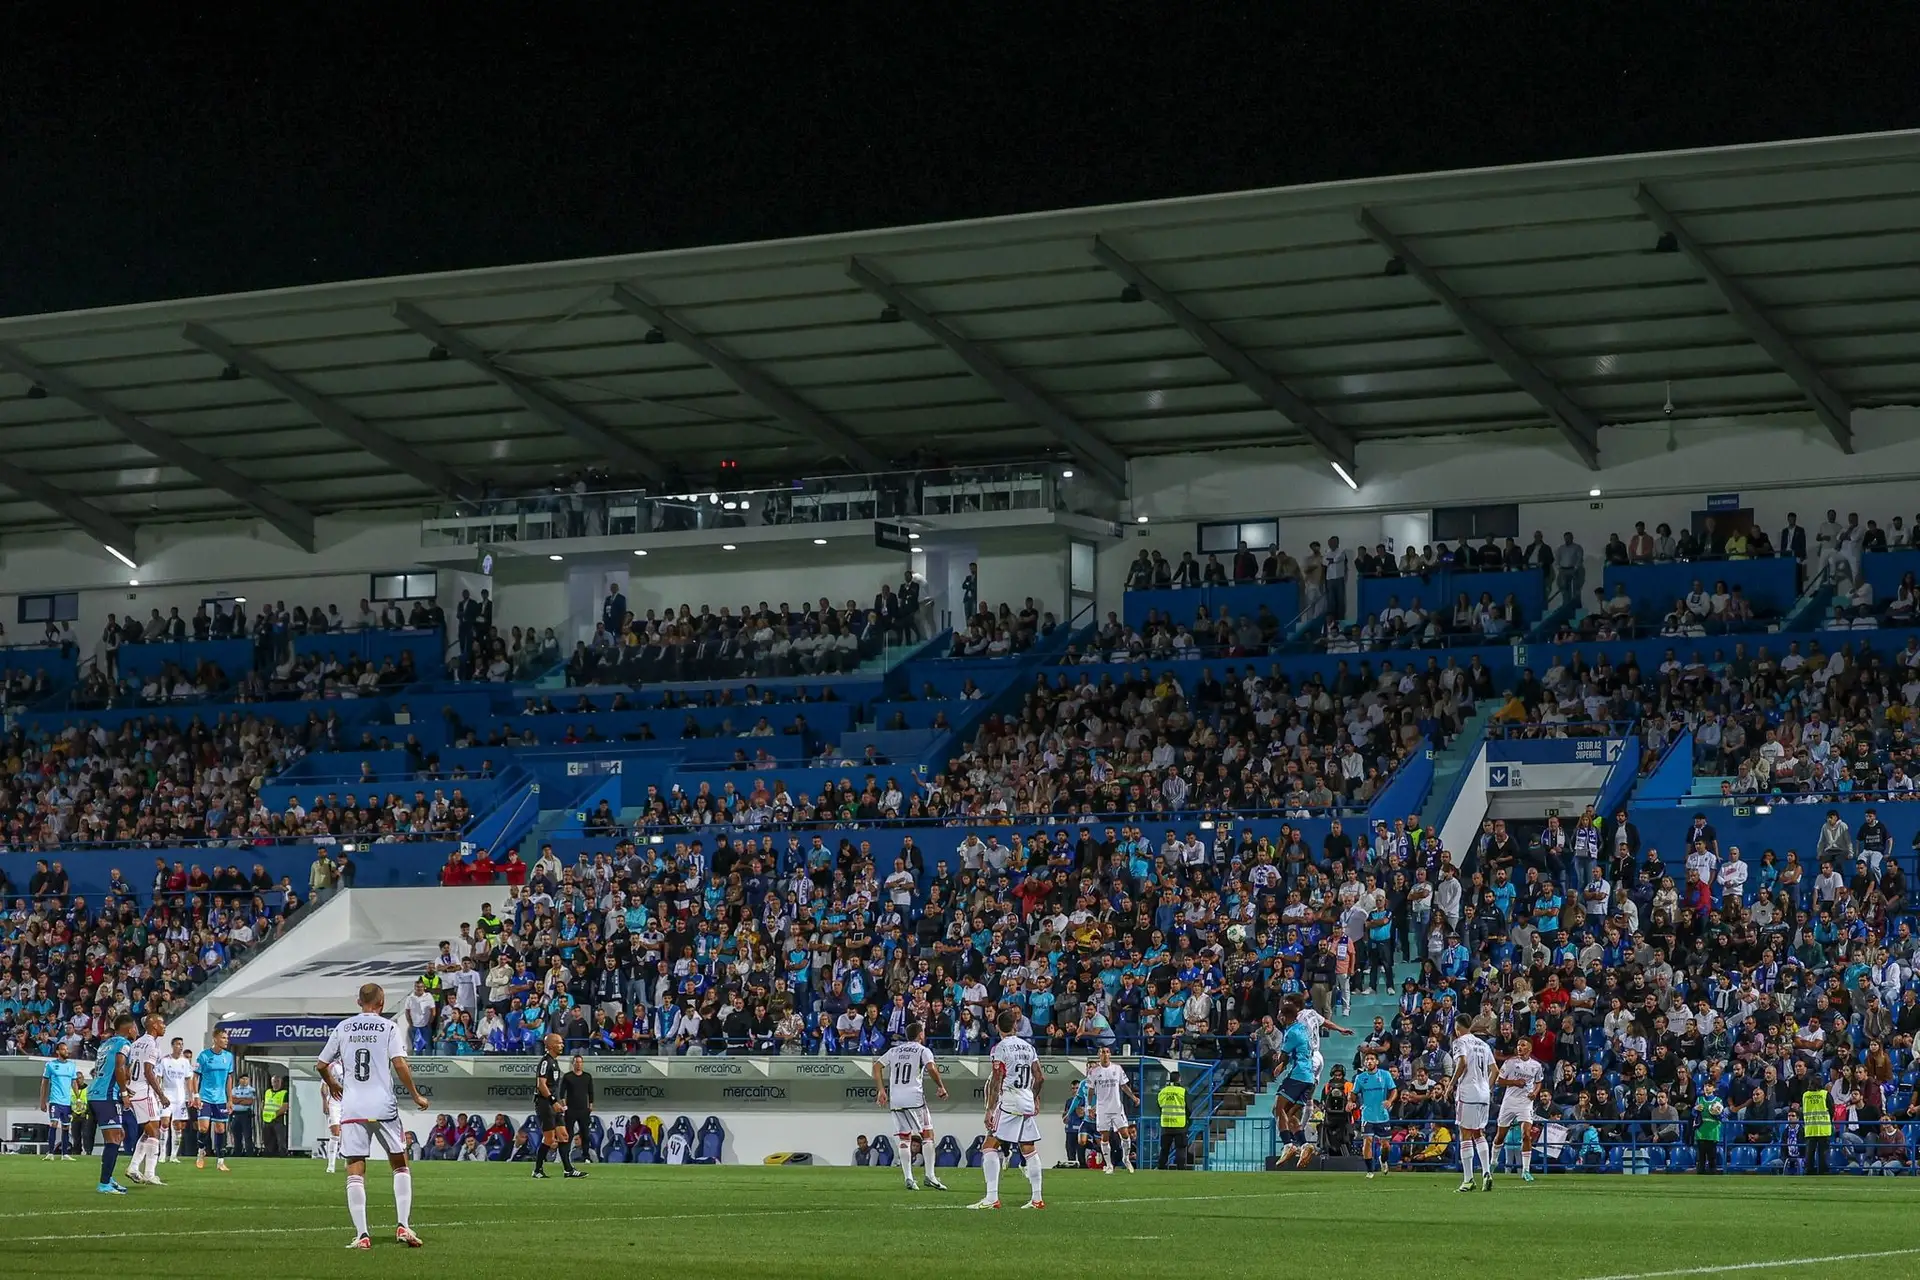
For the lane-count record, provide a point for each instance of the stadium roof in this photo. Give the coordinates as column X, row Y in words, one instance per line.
column 1539, row 295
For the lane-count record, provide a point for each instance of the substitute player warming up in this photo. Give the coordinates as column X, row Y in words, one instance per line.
column 1013, row 1099
column 358, row 1066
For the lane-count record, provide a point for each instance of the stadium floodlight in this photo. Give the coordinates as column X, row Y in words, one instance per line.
column 120, row 555
column 1345, row 475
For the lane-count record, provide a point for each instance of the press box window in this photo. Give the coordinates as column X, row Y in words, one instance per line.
column 404, row 586
column 1226, row 536
column 63, row 607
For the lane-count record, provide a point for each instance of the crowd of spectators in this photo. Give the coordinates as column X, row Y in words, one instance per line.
column 291, row 677
column 1002, row 632
column 691, row 644
column 1646, row 988
column 68, row 967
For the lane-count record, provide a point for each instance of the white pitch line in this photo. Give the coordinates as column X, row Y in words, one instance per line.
column 1761, row 1266
column 638, row 1219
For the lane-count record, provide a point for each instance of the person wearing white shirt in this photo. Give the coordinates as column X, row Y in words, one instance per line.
column 1733, row 876
column 1337, row 562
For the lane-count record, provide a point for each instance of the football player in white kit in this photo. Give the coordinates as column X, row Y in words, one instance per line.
column 1109, row 1081
column 1315, row 1024
column 1523, row 1077
column 1013, row 1100
column 898, row 1074
column 1472, row 1094
column 330, row 1141
column 362, row 1056
column 176, row 1072
column 148, row 1099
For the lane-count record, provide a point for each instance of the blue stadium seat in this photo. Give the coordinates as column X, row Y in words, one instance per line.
column 882, row 1151
column 946, row 1155
column 712, row 1144
column 973, row 1152
column 644, row 1149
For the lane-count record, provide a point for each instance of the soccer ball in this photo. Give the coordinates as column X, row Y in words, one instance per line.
column 1236, row 934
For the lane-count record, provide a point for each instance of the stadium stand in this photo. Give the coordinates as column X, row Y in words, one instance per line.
column 1078, row 736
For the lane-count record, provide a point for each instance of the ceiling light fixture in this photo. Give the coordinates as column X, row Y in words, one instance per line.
column 1593, row 493
column 819, row 542
column 438, row 353
column 1067, row 474
column 1344, row 475
column 728, row 546
column 655, row 338
column 1139, row 519
column 120, row 555
column 556, row 556
column 36, row 392
column 133, row 582
column 640, row 551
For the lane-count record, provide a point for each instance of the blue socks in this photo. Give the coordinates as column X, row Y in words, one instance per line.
column 109, row 1157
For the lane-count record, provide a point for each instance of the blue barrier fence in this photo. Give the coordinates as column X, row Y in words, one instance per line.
column 1770, row 586
column 1436, row 592
column 1182, row 604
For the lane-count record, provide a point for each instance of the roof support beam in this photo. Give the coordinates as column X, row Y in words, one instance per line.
column 294, row 521
column 1576, row 424
column 1333, row 442
column 1832, row 408
column 1094, row 453
column 757, row 386
column 594, row 435
column 396, row 454
column 97, row 522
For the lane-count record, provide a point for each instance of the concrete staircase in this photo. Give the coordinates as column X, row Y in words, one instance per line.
column 1448, row 763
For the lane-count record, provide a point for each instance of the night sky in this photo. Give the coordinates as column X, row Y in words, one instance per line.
column 207, row 153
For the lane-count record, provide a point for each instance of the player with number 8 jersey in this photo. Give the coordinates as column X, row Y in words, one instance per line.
column 358, row 1066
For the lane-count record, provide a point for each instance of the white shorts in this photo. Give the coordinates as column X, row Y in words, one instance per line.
column 177, row 1112
column 911, row 1122
column 145, row 1110
column 358, row 1137
column 1516, row 1108
column 1107, row 1121
column 1008, row 1127
column 1470, row 1115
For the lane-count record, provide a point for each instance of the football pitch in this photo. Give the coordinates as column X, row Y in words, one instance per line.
column 273, row 1220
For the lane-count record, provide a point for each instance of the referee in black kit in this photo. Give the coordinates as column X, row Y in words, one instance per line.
column 550, row 1110
column 576, row 1092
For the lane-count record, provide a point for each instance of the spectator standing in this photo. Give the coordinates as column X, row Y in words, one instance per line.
column 1570, row 567
column 1339, row 563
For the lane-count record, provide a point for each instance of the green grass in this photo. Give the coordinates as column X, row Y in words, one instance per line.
column 274, row 1220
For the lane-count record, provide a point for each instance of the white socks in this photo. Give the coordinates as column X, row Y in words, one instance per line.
column 146, row 1157
column 357, row 1202
column 1032, row 1168
column 1526, row 1160
column 402, row 1196
column 1466, row 1158
column 1485, row 1153
column 332, row 1147
column 990, row 1165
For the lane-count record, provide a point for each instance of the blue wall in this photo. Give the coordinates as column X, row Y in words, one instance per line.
column 234, row 657
column 1181, row 603
column 1436, row 591
column 1771, row 586
column 427, row 647
column 1788, row 826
